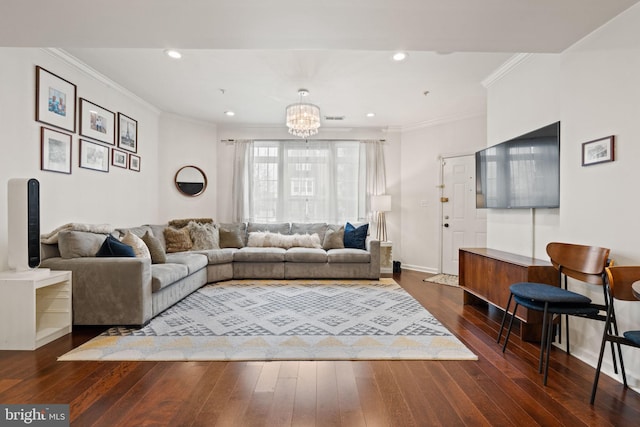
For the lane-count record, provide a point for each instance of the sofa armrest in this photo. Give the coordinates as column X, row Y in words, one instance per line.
column 373, row 246
column 108, row 291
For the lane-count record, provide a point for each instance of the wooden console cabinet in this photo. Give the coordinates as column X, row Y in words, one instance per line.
column 486, row 274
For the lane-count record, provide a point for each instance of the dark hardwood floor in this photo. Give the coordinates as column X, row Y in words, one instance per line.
column 499, row 389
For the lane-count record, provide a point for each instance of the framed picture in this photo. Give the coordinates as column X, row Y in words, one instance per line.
column 127, row 133
column 94, row 156
column 55, row 100
column 96, row 122
column 134, row 162
column 55, row 151
column 598, row 151
column 119, row 158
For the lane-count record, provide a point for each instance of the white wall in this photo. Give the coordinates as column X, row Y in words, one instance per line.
column 187, row 142
column 593, row 88
column 421, row 152
column 120, row 197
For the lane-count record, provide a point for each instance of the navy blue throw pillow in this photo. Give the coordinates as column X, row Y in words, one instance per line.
column 355, row 237
column 113, row 247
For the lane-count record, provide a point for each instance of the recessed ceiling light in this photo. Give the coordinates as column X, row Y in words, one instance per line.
column 172, row 53
column 229, row 113
column 399, row 56
column 371, row 114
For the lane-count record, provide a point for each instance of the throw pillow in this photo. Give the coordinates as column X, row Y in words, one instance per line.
column 139, row 247
column 76, row 244
column 333, row 239
column 204, row 236
column 230, row 238
column 355, row 237
column 113, row 247
column 180, row 223
column 177, row 239
column 285, row 241
column 158, row 256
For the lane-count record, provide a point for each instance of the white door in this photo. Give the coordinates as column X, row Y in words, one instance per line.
column 462, row 224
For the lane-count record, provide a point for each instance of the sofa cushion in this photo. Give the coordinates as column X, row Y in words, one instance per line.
column 193, row 262
column 112, row 247
column 259, row 255
column 285, row 241
column 305, row 255
column 348, row 255
column 76, row 244
column 163, row 275
column 204, row 236
column 333, row 239
column 218, row 256
column 319, row 228
column 183, row 222
column 138, row 231
column 138, row 245
column 177, row 239
column 156, row 250
column 278, row 227
column 355, row 237
column 157, row 230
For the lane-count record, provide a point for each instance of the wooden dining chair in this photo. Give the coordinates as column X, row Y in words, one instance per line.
column 580, row 262
column 620, row 280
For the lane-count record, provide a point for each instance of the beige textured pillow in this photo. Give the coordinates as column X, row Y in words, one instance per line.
column 177, row 239
column 230, row 238
column 158, row 256
column 139, row 247
column 204, row 236
column 334, row 239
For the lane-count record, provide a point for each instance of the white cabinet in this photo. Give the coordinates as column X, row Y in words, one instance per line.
column 35, row 308
column 386, row 257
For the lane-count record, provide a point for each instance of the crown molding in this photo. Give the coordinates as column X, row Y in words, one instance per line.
column 506, row 68
column 85, row 69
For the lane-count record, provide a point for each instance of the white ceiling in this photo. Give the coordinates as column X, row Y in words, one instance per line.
column 251, row 56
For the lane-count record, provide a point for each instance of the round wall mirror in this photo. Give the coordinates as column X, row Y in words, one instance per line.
column 191, row 180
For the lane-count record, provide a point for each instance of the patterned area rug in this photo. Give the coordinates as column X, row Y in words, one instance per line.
column 285, row 320
column 443, row 279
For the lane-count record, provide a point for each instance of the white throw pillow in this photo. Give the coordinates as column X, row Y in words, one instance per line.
column 267, row 239
column 138, row 245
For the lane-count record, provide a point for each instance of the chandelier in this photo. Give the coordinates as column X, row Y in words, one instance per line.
column 303, row 119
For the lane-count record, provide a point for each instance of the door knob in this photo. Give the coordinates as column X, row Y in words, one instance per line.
column 446, row 225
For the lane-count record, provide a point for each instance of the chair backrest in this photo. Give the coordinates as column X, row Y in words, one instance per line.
column 581, row 262
column 621, row 278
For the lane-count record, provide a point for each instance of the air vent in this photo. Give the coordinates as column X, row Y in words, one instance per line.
column 334, row 118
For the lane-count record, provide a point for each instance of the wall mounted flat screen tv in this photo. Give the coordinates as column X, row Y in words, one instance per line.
column 521, row 173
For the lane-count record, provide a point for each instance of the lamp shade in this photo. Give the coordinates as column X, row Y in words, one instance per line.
column 381, row 203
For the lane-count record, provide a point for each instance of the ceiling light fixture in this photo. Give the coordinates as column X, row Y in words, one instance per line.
column 399, row 56
column 229, row 113
column 371, row 114
column 172, row 53
column 303, row 119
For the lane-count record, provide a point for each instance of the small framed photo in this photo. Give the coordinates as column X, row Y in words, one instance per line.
column 119, row 158
column 598, row 151
column 94, row 156
column 55, row 100
column 134, row 162
column 127, row 133
column 96, row 122
column 55, row 151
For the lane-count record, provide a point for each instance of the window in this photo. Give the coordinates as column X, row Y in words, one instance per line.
column 307, row 181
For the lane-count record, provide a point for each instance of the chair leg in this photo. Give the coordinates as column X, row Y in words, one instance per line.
column 504, row 318
column 605, row 338
column 506, row 337
column 543, row 339
column 568, row 343
column 549, row 340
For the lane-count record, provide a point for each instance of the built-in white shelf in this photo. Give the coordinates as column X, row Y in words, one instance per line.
column 35, row 308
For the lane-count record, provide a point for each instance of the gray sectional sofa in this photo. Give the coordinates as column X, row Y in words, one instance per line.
column 132, row 290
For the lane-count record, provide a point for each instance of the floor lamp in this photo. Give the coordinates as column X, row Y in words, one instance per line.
column 381, row 204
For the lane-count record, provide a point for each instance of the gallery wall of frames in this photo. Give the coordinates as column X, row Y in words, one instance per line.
column 105, row 138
